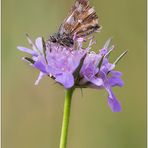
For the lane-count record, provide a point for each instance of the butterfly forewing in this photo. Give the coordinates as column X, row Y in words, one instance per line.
column 81, row 20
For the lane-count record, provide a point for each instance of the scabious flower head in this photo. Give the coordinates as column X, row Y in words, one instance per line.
column 76, row 66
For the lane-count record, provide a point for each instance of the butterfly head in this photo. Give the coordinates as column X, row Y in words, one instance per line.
column 64, row 40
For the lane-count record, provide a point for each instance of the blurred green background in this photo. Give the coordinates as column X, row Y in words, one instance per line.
column 32, row 115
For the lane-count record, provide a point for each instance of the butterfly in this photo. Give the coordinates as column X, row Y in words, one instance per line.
column 81, row 21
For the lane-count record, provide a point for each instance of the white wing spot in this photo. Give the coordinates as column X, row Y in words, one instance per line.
column 80, row 21
column 84, row 29
column 63, row 30
column 91, row 10
column 79, row 8
column 70, row 20
column 77, row 4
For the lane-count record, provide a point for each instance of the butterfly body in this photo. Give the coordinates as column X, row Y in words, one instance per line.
column 80, row 22
column 62, row 39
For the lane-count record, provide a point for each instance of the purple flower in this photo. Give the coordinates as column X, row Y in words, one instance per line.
column 76, row 66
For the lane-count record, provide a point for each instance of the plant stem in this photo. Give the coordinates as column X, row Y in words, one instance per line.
column 66, row 116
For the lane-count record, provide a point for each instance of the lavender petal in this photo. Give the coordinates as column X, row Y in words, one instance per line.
column 39, row 65
column 27, row 50
column 39, row 44
column 41, row 74
column 66, row 79
column 112, row 101
column 115, row 81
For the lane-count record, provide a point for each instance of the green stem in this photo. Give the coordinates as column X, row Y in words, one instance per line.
column 66, row 115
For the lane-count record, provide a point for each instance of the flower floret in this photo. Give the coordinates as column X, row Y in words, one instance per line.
column 76, row 66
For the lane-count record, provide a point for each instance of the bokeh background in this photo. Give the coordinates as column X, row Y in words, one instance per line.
column 32, row 115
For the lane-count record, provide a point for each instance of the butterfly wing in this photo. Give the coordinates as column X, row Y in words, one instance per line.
column 81, row 20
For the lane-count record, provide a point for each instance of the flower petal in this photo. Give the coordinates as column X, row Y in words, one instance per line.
column 39, row 44
column 103, row 51
column 116, row 73
column 115, row 81
column 66, row 79
column 39, row 65
column 27, row 50
column 97, row 81
column 110, row 66
column 53, row 70
column 39, row 78
column 113, row 102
